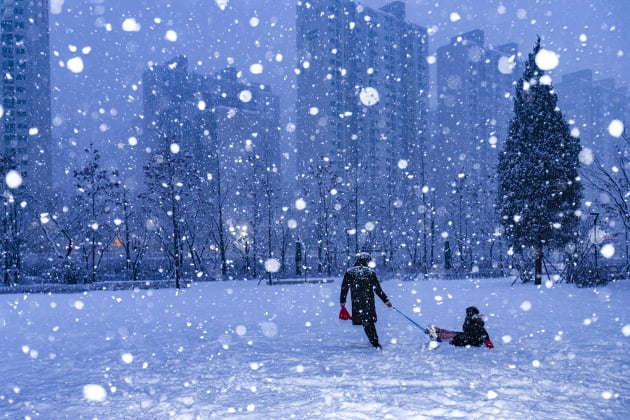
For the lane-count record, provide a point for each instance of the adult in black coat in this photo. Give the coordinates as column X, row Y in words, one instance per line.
column 362, row 283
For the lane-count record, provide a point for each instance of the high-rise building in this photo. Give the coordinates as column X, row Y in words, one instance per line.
column 25, row 123
column 475, row 91
column 229, row 129
column 362, row 105
column 590, row 106
column 475, row 87
column 206, row 113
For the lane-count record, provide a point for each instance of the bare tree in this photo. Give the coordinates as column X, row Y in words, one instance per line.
column 131, row 231
column 614, row 182
column 95, row 200
column 171, row 195
column 13, row 227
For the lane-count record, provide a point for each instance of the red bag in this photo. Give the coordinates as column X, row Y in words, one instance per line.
column 344, row 314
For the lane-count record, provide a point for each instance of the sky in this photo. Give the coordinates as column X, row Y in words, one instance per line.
column 101, row 47
column 236, row 350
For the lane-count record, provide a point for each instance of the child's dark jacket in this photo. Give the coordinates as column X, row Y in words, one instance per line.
column 474, row 333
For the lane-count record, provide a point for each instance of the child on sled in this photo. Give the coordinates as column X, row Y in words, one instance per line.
column 474, row 333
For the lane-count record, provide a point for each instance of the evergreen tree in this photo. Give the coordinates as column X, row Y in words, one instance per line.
column 539, row 189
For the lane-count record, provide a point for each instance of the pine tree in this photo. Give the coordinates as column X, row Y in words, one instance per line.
column 539, row 189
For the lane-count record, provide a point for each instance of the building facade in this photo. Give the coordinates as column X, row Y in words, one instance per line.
column 26, row 99
column 230, row 132
column 590, row 106
column 475, row 90
column 475, row 87
column 206, row 113
column 362, row 109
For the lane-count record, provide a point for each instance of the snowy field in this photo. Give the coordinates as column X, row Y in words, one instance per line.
column 243, row 351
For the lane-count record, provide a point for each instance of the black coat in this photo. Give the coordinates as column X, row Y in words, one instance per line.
column 474, row 333
column 362, row 283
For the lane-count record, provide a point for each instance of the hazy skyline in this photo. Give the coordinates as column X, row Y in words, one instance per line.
column 585, row 34
column 100, row 48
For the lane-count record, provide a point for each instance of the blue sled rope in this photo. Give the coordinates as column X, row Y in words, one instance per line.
column 424, row 330
column 410, row 320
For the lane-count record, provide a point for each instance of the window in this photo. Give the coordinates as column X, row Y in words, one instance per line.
column 7, row 25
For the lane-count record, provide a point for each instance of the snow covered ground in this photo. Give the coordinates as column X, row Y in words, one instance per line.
column 243, row 351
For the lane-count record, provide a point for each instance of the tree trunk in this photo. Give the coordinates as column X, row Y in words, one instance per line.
column 538, row 264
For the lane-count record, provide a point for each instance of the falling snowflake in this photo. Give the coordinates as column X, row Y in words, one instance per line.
column 222, row 4
column 92, row 392
column 75, row 65
column 616, row 128
column 130, row 25
column 369, row 96
column 171, row 35
column 245, row 96
column 13, row 179
column 256, row 68
column 547, row 60
column 272, row 265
